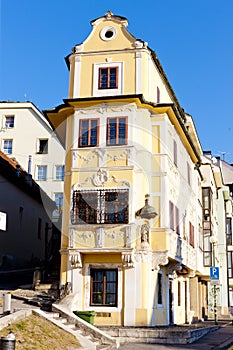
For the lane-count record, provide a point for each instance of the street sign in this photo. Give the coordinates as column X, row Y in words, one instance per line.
column 215, row 282
column 214, row 273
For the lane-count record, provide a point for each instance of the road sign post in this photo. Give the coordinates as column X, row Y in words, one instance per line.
column 214, row 279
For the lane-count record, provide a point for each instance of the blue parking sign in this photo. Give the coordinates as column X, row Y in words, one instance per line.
column 214, row 273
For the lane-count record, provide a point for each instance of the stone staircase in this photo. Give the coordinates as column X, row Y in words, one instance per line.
column 159, row 335
column 89, row 337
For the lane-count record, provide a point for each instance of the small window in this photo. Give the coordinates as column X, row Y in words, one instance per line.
column 171, row 215
column 117, row 131
column 43, row 146
column 9, row 121
column 88, row 132
column 7, row 146
column 103, row 287
column 191, row 234
column 42, row 172
column 108, row 78
column 228, row 231
column 60, row 172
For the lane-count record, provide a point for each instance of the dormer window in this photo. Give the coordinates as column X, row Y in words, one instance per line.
column 108, row 78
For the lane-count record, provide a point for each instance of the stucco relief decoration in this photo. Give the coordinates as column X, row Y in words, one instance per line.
column 128, row 260
column 128, row 236
column 172, row 267
column 100, row 177
column 100, row 153
column 75, row 260
column 114, row 235
column 103, row 108
column 99, row 238
column 71, row 238
column 159, row 259
column 121, row 183
column 85, row 235
column 78, row 48
column 145, row 229
column 77, row 155
column 143, row 255
column 118, row 156
column 173, row 170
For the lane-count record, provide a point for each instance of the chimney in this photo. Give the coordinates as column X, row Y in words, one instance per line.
column 29, row 165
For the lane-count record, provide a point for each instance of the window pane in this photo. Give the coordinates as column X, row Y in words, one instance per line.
column 43, row 146
column 112, row 131
column 116, row 132
column 9, row 121
column 100, row 206
column 103, row 287
column 7, row 146
column 60, row 172
column 113, row 78
column 103, row 78
column 111, row 299
column 88, row 134
column 122, row 131
column 42, row 172
column 111, row 276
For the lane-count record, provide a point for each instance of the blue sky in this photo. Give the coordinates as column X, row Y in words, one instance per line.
column 193, row 40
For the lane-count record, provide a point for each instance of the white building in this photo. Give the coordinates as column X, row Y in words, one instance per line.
column 26, row 136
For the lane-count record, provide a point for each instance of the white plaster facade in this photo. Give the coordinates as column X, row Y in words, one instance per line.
column 24, row 129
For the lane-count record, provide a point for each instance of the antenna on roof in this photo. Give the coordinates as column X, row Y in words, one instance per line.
column 25, row 96
column 223, row 154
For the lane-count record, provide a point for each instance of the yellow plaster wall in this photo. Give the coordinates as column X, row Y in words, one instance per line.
column 156, row 164
column 64, row 269
column 155, row 184
column 88, row 62
column 111, row 258
column 142, row 317
column 156, row 139
column 159, row 240
column 117, row 158
column 111, row 319
column 123, row 39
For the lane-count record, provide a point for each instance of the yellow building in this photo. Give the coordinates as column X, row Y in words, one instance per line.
column 130, row 257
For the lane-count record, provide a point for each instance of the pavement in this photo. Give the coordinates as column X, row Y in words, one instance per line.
column 24, row 298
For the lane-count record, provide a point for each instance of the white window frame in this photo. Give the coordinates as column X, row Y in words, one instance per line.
column 107, row 92
column 87, row 291
column 6, row 150
column 62, row 173
column 5, row 126
column 38, row 145
column 37, row 170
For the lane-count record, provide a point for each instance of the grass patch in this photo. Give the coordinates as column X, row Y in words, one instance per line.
column 37, row 333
